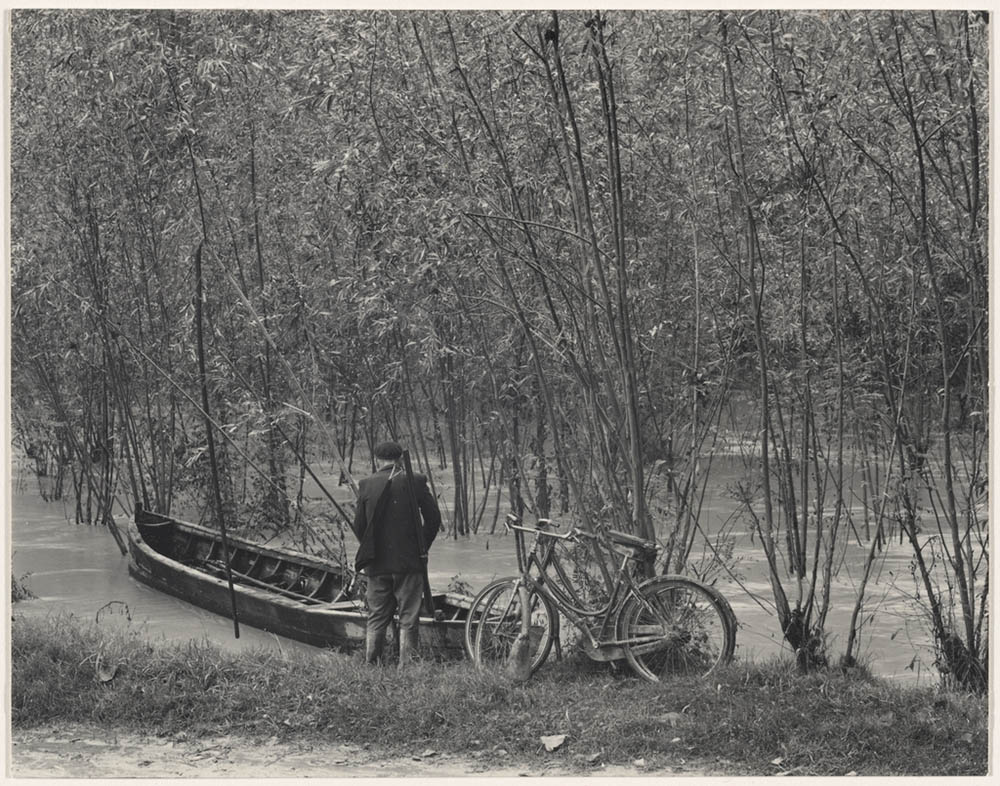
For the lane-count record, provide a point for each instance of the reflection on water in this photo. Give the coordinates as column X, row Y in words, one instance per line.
column 79, row 570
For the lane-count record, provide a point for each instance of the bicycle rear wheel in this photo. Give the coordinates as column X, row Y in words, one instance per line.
column 499, row 624
column 676, row 626
column 484, row 596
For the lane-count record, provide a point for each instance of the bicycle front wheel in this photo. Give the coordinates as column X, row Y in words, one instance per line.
column 676, row 626
column 500, row 623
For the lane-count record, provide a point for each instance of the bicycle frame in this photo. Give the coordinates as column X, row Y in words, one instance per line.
column 605, row 641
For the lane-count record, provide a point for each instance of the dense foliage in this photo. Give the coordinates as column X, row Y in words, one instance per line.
column 573, row 255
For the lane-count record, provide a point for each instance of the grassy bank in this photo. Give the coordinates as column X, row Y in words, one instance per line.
column 741, row 721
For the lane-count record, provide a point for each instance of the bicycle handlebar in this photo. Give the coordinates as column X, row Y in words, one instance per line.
column 512, row 522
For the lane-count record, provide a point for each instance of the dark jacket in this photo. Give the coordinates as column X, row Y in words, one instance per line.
column 389, row 544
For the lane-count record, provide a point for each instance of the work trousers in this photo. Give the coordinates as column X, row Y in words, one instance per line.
column 389, row 593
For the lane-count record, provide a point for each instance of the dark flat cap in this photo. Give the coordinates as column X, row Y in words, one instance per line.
column 389, row 451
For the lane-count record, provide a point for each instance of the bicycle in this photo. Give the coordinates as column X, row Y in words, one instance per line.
column 666, row 625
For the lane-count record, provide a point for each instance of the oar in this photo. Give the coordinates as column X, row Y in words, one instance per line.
column 209, row 436
column 418, row 523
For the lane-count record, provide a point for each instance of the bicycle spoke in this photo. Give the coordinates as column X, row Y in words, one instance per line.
column 479, row 604
column 500, row 624
column 676, row 626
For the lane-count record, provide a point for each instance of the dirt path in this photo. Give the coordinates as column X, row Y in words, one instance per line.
column 81, row 751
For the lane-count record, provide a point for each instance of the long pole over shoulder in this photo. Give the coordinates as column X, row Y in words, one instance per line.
column 216, row 489
column 418, row 523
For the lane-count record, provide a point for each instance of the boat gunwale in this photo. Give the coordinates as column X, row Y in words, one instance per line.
column 215, row 535
column 258, row 593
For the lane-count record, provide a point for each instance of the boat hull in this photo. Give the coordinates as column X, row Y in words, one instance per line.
column 176, row 557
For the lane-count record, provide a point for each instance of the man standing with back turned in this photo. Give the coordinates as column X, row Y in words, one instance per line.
column 389, row 553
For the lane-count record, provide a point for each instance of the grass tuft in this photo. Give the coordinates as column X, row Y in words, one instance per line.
column 740, row 721
column 19, row 589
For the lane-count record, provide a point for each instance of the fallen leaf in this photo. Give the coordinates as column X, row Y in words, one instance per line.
column 553, row 741
column 429, row 752
column 593, row 757
column 675, row 740
column 777, row 762
column 966, row 738
column 673, row 718
column 639, row 763
column 852, row 772
column 106, row 674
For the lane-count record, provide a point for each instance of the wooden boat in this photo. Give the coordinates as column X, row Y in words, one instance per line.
column 277, row 590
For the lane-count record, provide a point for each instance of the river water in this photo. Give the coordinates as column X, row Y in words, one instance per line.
column 78, row 570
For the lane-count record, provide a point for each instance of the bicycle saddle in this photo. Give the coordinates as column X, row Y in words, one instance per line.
column 632, row 541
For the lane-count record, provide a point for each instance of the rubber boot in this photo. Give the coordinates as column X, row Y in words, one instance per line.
column 407, row 646
column 374, row 641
